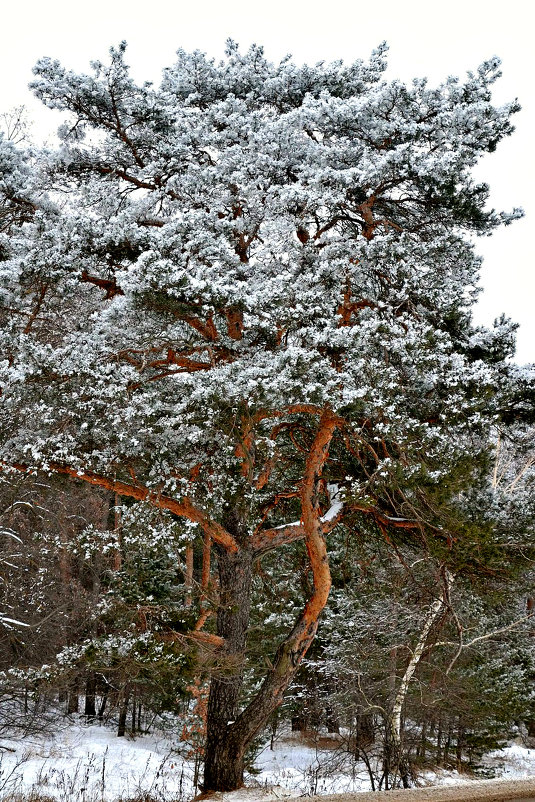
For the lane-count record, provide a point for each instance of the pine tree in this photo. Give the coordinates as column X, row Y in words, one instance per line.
column 244, row 298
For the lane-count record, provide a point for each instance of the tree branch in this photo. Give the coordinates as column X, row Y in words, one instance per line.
column 292, row 650
column 184, row 508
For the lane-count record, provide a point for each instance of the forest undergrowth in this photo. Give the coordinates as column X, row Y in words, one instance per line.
column 88, row 763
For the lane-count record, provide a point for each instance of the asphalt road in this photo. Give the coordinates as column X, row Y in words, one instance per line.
column 489, row 791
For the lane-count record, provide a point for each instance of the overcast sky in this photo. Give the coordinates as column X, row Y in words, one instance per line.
column 423, row 41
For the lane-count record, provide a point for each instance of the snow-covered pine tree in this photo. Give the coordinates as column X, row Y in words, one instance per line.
column 244, row 297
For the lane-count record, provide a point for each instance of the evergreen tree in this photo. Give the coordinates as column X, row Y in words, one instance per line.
column 244, row 298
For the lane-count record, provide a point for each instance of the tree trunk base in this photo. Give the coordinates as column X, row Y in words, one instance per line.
column 224, row 770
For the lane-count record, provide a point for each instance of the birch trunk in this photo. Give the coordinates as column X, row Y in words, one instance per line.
column 434, row 612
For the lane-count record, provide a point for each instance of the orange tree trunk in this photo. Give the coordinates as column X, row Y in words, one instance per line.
column 229, row 733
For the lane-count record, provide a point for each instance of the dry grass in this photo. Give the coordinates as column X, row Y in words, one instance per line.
column 31, row 796
column 35, row 796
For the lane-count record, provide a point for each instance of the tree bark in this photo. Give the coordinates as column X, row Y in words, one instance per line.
column 434, row 612
column 420, row 752
column 72, row 699
column 229, row 733
column 364, row 731
column 103, row 702
column 439, row 754
column 189, row 574
column 223, row 762
column 123, row 711
column 459, row 746
column 299, row 723
column 90, row 691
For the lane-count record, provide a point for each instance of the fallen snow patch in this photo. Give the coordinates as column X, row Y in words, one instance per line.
column 82, row 763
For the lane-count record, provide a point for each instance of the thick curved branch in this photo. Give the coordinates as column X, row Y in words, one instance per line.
column 183, row 508
column 268, row 539
column 206, row 638
column 137, row 182
column 386, row 520
column 291, row 652
column 295, row 409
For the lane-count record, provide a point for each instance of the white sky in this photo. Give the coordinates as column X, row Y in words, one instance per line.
column 424, row 38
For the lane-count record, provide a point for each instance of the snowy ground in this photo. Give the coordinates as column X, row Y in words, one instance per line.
column 513, row 762
column 90, row 764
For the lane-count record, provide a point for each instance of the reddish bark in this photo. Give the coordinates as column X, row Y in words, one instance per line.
column 206, row 553
column 230, row 732
column 234, row 323
column 37, row 308
column 189, row 574
column 110, row 285
column 184, row 508
column 228, row 738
